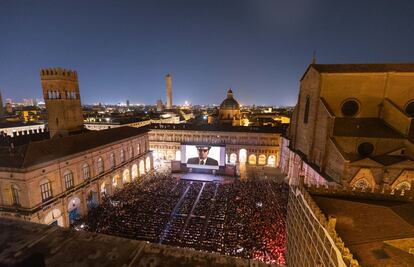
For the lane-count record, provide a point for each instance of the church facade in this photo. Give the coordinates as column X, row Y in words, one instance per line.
column 353, row 126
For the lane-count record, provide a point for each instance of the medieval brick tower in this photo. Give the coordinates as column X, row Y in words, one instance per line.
column 168, row 81
column 61, row 93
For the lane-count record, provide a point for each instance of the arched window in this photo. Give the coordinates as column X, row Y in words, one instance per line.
column 141, row 168
column 262, row 160
column 112, row 160
column 404, row 186
column 45, row 189
column 15, row 195
column 126, row 178
column 86, row 171
column 134, row 171
column 147, row 164
column 68, row 176
column 252, row 159
column 122, row 155
column 131, row 152
column 100, row 166
column 409, row 109
column 307, row 106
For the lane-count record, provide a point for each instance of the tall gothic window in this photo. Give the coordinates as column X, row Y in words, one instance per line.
column 46, row 190
column 131, row 152
column 86, row 171
column 122, row 155
column 100, row 166
column 15, row 195
column 306, row 115
column 112, row 160
column 68, row 176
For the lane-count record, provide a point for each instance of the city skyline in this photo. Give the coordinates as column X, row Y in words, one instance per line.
column 260, row 49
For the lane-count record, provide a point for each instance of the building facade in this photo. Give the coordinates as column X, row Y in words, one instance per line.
column 251, row 145
column 353, row 125
column 348, row 156
column 19, row 128
column 54, row 181
column 311, row 238
column 229, row 112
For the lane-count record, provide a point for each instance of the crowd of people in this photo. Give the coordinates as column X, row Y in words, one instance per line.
column 244, row 219
column 256, row 221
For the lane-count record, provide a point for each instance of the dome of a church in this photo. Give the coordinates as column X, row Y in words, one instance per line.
column 229, row 102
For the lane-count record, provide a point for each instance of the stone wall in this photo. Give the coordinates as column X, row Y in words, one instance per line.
column 311, row 238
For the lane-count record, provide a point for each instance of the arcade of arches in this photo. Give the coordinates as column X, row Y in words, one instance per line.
column 263, row 158
column 253, row 159
column 253, row 148
column 78, row 204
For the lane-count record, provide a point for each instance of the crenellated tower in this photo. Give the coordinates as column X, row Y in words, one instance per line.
column 61, row 94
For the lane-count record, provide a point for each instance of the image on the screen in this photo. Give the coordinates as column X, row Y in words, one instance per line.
column 202, row 156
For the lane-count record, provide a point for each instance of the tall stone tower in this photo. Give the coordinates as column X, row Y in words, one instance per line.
column 61, row 93
column 168, row 80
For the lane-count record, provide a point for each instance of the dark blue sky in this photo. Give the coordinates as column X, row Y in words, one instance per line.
column 260, row 48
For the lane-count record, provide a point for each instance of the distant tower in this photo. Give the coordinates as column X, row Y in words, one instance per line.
column 1, row 107
column 159, row 105
column 9, row 108
column 127, row 103
column 61, row 93
column 168, row 80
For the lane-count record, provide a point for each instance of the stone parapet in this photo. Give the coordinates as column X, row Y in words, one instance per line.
column 378, row 193
column 325, row 241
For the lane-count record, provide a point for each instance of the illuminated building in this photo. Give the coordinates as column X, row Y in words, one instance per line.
column 21, row 128
column 251, row 145
column 229, row 112
column 55, row 180
column 353, row 125
column 61, row 93
column 348, row 156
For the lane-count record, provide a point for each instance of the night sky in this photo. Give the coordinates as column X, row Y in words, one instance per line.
column 260, row 48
